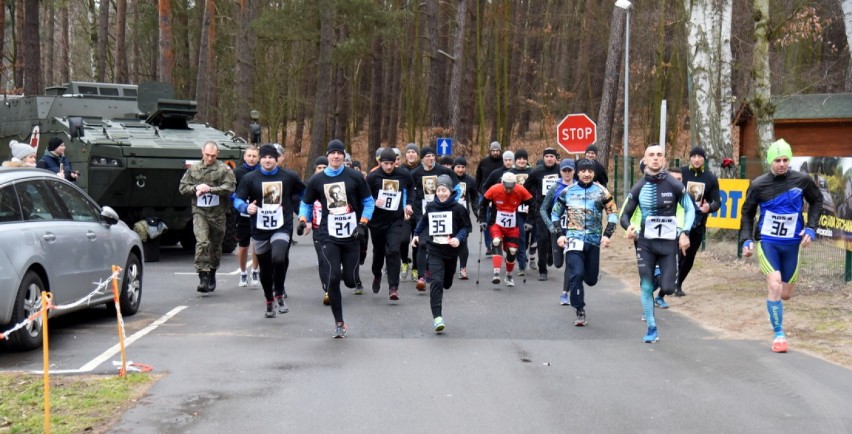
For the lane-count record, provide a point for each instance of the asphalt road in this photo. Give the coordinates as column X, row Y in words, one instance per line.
column 509, row 361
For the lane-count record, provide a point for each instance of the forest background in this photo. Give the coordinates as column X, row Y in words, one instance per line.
column 380, row 72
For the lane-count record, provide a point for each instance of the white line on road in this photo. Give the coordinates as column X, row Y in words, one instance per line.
column 106, row 355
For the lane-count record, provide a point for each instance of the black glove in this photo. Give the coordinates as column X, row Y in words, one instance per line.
column 527, row 227
column 361, row 231
column 483, row 226
column 300, row 229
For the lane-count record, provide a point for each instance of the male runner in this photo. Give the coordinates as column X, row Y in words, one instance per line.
column 538, row 184
column 703, row 187
column 251, row 157
column 504, row 199
column 469, row 198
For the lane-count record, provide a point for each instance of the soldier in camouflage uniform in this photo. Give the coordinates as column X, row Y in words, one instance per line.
column 209, row 183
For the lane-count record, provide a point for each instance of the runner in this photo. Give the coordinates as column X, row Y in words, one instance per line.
column 251, row 157
column 316, row 219
column 503, row 199
column 538, row 184
column 393, row 192
column 522, row 171
column 447, row 225
column 407, row 271
column 266, row 195
column 566, row 173
column 483, row 171
column 781, row 231
column 581, row 206
column 469, row 198
column 344, row 224
column 703, row 187
column 657, row 196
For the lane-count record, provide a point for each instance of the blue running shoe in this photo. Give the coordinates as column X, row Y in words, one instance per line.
column 563, row 300
column 651, row 337
column 661, row 303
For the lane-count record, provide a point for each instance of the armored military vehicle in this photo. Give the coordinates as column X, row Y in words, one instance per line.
column 131, row 145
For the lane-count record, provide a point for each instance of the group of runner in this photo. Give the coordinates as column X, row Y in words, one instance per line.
column 554, row 211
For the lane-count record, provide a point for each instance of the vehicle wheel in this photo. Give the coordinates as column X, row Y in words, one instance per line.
column 131, row 288
column 229, row 243
column 27, row 303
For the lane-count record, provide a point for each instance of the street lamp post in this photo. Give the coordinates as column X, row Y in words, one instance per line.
column 626, row 5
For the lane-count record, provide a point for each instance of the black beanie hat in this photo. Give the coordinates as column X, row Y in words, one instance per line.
column 459, row 161
column 387, row 155
column 321, row 160
column 522, row 153
column 356, row 163
column 550, row 151
column 698, row 151
column 592, row 148
column 54, row 143
column 267, row 151
column 446, row 160
column 585, row 164
column 426, row 151
column 335, row 145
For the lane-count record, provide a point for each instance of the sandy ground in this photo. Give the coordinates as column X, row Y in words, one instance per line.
column 727, row 295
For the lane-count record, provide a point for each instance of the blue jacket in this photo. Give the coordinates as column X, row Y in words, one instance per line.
column 52, row 162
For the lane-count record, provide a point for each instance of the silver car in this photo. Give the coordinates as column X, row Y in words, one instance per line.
column 54, row 237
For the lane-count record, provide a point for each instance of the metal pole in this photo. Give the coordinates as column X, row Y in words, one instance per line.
column 626, row 92
column 663, row 125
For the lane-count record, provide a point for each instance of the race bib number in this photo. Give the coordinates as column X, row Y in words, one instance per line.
column 547, row 182
column 428, row 198
column 207, row 200
column 270, row 218
column 392, row 199
column 778, row 225
column 524, row 208
column 440, row 223
column 574, row 245
column 563, row 221
column 341, row 226
column 663, row 228
column 506, row 219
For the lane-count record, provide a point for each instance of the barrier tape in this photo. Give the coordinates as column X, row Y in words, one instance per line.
column 101, row 286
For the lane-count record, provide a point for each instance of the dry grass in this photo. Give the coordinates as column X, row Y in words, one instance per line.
column 727, row 295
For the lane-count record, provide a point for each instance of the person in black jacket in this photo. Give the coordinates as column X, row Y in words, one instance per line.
column 393, row 192
column 469, row 198
column 600, row 170
column 538, row 183
column 483, row 170
column 446, row 224
column 703, row 187
column 54, row 160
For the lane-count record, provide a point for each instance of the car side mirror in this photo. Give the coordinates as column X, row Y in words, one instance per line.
column 110, row 215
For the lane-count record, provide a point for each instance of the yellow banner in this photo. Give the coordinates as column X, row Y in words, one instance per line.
column 732, row 193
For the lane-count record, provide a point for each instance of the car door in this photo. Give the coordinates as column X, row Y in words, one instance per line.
column 53, row 240
column 94, row 245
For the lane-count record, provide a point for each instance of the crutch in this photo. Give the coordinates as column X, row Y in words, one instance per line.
column 479, row 255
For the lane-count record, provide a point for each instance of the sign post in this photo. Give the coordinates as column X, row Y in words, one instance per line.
column 576, row 132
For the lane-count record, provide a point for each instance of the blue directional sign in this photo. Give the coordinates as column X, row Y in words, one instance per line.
column 445, row 146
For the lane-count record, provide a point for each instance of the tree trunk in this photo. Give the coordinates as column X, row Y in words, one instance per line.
column 18, row 57
column 376, row 97
column 183, row 71
column 437, row 64
column 204, row 83
column 245, row 46
column 166, row 63
column 134, row 67
column 726, row 103
column 121, row 75
column 612, row 78
column 32, row 71
column 103, row 41
column 761, row 101
column 50, row 60
column 65, row 45
column 393, row 99
column 464, row 130
column 458, row 69
column 319, row 120
column 846, row 5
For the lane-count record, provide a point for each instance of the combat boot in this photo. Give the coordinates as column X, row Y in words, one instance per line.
column 211, row 280
column 203, row 282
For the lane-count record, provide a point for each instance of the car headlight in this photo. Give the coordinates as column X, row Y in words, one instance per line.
column 105, row 162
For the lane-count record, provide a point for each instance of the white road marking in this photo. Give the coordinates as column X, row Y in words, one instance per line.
column 115, row 349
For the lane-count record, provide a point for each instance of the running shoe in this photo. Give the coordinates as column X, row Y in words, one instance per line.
column 421, row 284
column 282, row 306
column 284, row 292
column 563, row 299
column 393, row 295
column 779, row 345
column 255, row 277
column 581, row 318
column 325, row 300
column 243, row 280
column 679, row 292
column 339, row 331
column 496, row 279
column 522, row 273
column 438, row 324
column 533, row 265
column 403, row 271
column 651, row 336
column 510, row 282
column 463, row 274
column 488, row 252
column 542, row 277
column 413, row 275
column 377, row 285
column 270, row 310
column 661, row 302
column 359, row 289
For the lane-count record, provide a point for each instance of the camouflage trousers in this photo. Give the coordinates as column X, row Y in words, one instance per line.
column 209, row 228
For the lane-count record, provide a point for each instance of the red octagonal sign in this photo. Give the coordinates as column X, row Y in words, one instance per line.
column 576, row 132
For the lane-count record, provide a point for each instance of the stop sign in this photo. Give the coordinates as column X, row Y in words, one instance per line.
column 576, row 132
